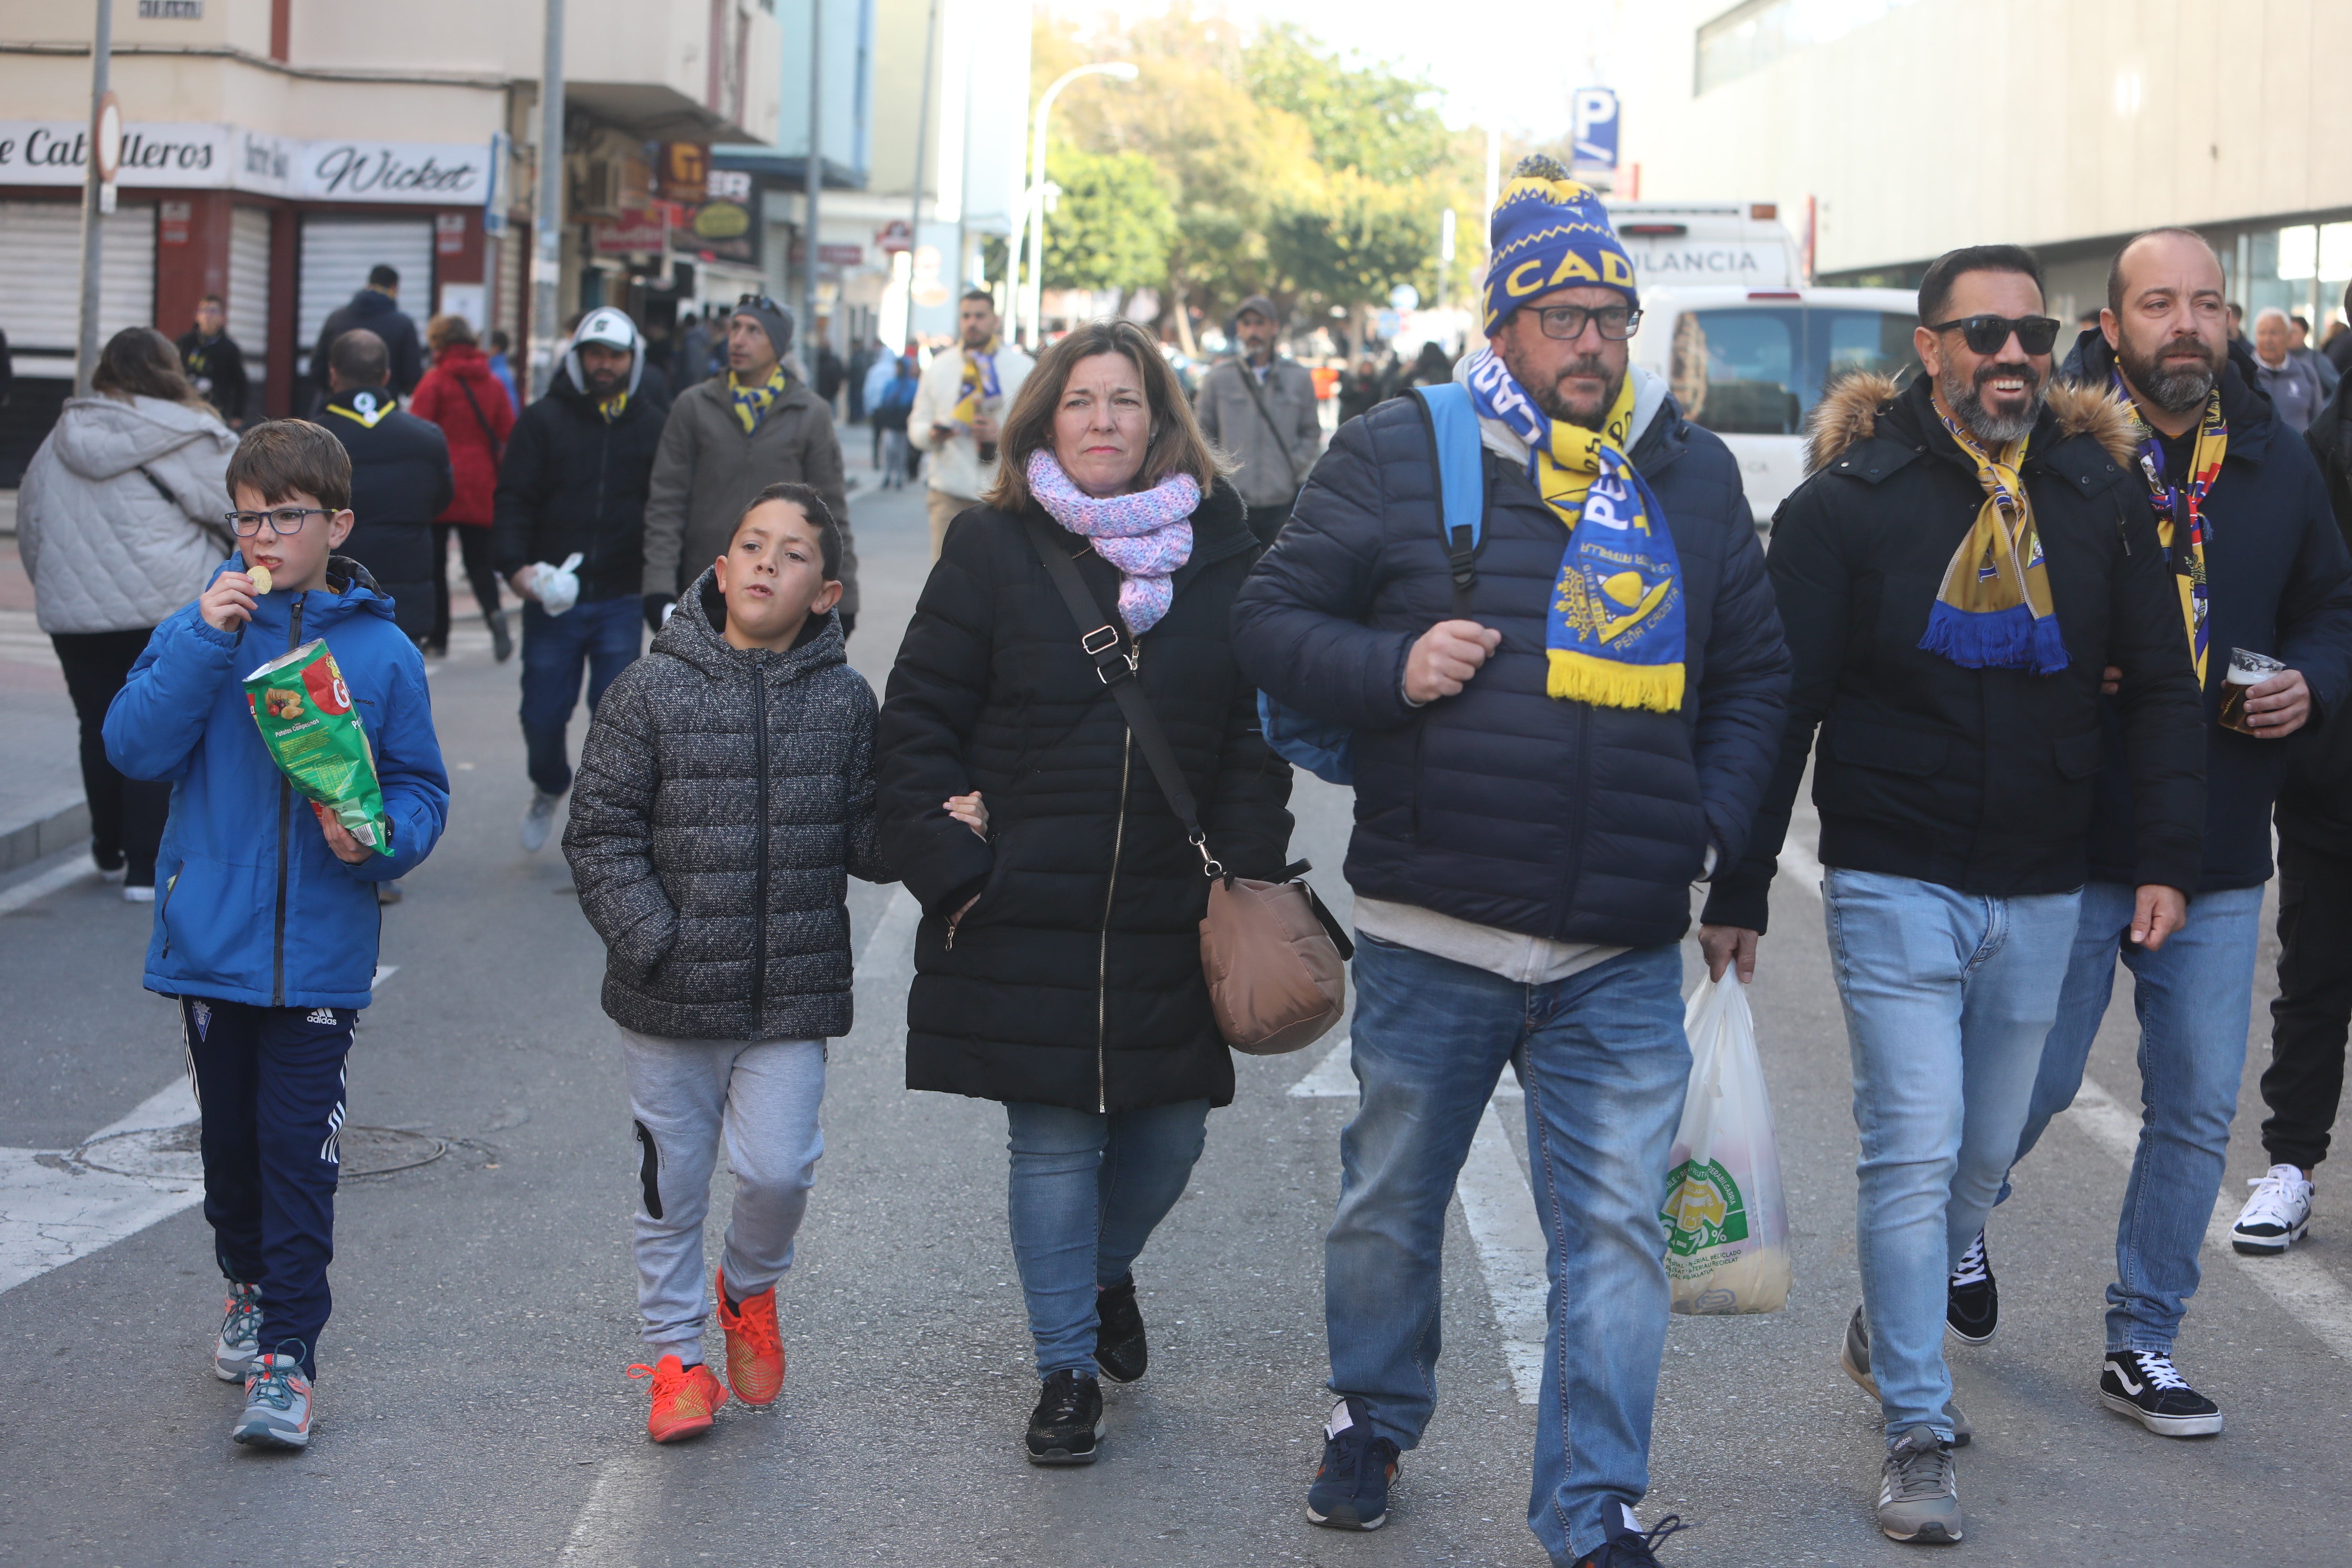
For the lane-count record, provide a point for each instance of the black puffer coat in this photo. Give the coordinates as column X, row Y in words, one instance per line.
column 724, row 796
column 571, row 480
column 1076, row 980
column 401, row 480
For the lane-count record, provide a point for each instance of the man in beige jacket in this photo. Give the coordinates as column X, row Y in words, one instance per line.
column 728, row 438
column 958, row 408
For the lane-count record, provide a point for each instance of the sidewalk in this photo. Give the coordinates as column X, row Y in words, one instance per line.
column 41, row 806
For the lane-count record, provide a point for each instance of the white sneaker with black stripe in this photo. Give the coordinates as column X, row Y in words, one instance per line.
column 2144, row 1386
column 2276, row 1215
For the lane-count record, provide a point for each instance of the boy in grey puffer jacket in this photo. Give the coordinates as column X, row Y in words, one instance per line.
column 725, row 794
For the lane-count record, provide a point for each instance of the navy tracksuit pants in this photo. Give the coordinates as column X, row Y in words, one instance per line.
column 270, row 1082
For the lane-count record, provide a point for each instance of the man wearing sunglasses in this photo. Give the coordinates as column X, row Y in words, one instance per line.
column 2244, row 518
column 1970, row 553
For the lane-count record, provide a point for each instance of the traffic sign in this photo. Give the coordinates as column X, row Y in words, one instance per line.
column 106, row 147
column 894, row 237
column 1404, row 297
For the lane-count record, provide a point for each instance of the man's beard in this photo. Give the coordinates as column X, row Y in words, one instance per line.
column 1549, row 399
column 976, row 343
column 2177, row 388
column 603, row 383
column 1968, row 407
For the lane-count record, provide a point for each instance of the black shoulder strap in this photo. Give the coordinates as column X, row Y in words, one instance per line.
column 1115, row 667
column 498, row 448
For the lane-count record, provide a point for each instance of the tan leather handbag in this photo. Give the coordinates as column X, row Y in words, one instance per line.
column 1275, row 959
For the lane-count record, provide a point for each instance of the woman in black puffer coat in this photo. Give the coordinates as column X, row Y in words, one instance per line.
column 1058, row 964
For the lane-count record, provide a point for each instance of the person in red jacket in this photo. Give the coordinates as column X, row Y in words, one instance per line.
column 461, row 395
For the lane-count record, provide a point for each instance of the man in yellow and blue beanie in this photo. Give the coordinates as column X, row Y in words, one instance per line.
column 1539, row 775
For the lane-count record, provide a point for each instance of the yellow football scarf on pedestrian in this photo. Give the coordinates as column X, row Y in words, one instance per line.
column 2181, row 511
column 752, row 403
column 979, row 382
column 1994, row 610
column 612, row 407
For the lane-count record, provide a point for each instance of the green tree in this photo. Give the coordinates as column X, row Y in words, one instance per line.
column 1111, row 226
column 1365, row 118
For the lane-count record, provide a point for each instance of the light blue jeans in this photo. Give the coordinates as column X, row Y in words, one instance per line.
column 1949, row 996
column 1085, row 1193
column 1605, row 1064
column 2193, row 995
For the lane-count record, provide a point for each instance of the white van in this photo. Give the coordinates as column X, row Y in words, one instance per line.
column 1750, row 363
column 1740, row 245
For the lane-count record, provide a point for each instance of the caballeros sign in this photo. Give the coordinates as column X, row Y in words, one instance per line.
column 229, row 157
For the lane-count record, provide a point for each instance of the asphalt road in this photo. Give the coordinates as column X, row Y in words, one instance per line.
column 471, row 1403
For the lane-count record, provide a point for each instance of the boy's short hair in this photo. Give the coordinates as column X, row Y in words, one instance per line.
column 820, row 516
column 280, row 457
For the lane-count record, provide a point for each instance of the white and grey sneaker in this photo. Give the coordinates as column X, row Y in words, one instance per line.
column 276, row 1411
column 240, row 1334
column 2276, row 1215
column 2143, row 1386
column 1855, row 1358
column 1919, row 1489
column 538, row 820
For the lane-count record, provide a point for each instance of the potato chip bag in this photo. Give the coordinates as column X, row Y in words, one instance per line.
column 316, row 738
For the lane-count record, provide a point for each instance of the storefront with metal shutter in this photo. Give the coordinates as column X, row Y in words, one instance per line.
column 40, row 305
column 249, row 289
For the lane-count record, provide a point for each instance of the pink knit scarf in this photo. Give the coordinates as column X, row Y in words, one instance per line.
column 1147, row 535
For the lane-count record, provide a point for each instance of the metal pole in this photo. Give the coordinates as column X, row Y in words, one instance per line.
column 101, row 50
column 1036, row 283
column 547, row 265
column 922, row 147
column 815, row 183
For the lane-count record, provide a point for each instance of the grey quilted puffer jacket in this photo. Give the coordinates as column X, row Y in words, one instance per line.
column 724, row 797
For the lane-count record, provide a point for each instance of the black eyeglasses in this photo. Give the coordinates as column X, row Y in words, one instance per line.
column 1987, row 334
column 1566, row 322
column 285, row 521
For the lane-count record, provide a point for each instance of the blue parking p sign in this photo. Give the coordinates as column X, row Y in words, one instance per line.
column 1596, row 130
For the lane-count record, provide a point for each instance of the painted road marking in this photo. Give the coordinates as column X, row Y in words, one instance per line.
column 47, row 882
column 52, row 1211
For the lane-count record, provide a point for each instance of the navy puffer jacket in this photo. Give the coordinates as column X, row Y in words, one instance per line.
column 1504, row 806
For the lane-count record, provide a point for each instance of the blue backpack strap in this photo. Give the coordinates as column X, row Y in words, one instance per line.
column 1461, row 481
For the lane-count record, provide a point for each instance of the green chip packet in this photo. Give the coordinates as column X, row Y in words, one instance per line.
column 316, row 738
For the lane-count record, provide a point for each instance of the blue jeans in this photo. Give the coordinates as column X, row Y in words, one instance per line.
column 1949, row 996
column 1085, row 1193
column 603, row 636
column 1605, row 1064
column 2193, row 995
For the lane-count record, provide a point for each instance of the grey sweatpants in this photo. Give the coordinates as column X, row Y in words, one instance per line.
column 684, row 1095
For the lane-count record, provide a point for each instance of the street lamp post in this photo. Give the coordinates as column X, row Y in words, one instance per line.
column 1035, row 205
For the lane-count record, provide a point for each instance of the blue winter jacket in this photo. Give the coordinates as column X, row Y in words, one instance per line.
column 1504, row 806
column 252, row 905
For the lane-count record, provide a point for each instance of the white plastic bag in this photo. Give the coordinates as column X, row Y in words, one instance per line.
column 558, row 587
column 1727, row 1224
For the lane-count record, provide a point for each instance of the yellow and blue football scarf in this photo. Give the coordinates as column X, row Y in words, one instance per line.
column 1615, row 637
column 752, row 403
column 1994, row 610
column 979, row 383
column 612, row 407
column 2180, row 512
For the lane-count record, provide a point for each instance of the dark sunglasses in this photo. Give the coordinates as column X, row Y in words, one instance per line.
column 1988, row 334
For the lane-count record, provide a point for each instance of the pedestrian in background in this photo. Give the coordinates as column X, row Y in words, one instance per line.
column 1058, row 962
column 861, row 362
column 376, row 308
column 215, row 365
column 1429, row 368
column 2236, row 314
column 2292, row 386
column 728, row 438
column 1970, row 552
column 830, row 373
column 1362, row 390
column 2242, row 513
column 461, row 396
column 400, row 479
column 2337, row 345
column 120, row 521
column 878, row 376
column 501, row 368
column 574, row 481
column 962, row 396
column 1500, row 919
column 2299, row 348
column 273, row 951
column 1259, row 408
column 2304, row 1085
column 731, row 769
column 892, row 410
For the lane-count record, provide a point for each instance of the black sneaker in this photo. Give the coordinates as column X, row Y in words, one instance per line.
column 1972, row 1304
column 1120, row 1350
column 2143, row 1386
column 1066, row 1427
column 1351, row 1484
column 1633, row 1547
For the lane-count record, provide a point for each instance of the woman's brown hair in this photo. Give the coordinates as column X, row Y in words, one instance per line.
column 1177, row 445
column 443, row 331
column 140, row 362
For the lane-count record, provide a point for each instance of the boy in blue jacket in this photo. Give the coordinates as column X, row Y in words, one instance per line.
column 266, row 927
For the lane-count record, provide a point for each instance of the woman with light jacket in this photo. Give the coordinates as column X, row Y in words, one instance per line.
column 1058, row 962
column 121, row 520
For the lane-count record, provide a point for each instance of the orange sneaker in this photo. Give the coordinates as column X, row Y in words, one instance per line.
column 684, row 1398
column 755, row 1346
